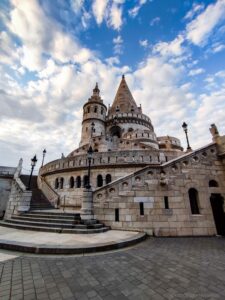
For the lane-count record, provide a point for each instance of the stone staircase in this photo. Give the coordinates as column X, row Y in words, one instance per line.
column 44, row 217
column 38, row 199
column 50, row 221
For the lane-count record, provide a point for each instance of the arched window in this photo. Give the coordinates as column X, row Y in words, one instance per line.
column 96, row 109
column 61, row 183
column 108, row 178
column 71, row 182
column 88, row 110
column 78, row 182
column 99, row 181
column 194, row 202
column 102, row 111
column 85, row 180
column 56, row 183
column 213, row 183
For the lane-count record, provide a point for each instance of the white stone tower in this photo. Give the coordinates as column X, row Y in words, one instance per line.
column 94, row 114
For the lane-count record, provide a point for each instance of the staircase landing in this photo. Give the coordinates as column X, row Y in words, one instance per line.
column 55, row 243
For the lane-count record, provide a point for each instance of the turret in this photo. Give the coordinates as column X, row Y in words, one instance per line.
column 94, row 113
column 126, row 121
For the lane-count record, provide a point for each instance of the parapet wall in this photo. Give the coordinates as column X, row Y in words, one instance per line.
column 111, row 158
column 149, row 188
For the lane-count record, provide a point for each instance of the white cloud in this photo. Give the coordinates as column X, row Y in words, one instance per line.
column 8, row 50
column 218, row 47
column 77, row 5
column 170, row 48
column 154, row 21
column 47, row 111
column 114, row 60
column 86, row 17
column 118, row 44
column 133, row 12
column 99, row 10
column 41, row 36
column 143, row 43
column 196, row 8
column 200, row 28
column 195, row 72
column 110, row 11
column 115, row 19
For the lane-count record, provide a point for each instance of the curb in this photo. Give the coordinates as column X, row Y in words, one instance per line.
column 58, row 249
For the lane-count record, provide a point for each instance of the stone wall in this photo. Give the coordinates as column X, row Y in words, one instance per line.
column 6, row 177
column 72, row 197
column 112, row 158
column 151, row 185
column 19, row 199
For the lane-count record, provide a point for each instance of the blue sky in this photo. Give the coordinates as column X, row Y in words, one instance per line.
column 52, row 53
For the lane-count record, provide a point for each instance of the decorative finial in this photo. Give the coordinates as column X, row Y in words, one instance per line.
column 96, row 90
column 123, row 76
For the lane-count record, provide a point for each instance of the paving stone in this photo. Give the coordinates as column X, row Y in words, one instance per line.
column 158, row 269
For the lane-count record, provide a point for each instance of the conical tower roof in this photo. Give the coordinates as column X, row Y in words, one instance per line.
column 124, row 101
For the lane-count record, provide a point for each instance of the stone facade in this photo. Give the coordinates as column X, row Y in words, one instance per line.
column 19, row 198
column 141, row 181
column 6, row 178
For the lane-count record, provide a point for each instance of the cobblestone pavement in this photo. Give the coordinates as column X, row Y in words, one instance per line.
column 159, row 268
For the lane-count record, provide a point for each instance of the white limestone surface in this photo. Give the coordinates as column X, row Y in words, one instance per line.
column 61, row 239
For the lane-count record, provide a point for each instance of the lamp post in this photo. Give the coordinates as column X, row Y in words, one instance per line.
column 33, row 163
column 89, row 157
column 185, row 128
column 44, row 152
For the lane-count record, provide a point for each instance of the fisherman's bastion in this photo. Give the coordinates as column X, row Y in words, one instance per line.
column 127, row 178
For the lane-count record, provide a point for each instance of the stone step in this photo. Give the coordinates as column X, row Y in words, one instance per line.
column 44, row 216
column 56, row 229
column 41, row 205
column 56, row 225
column 54, row 212
column 47, row 220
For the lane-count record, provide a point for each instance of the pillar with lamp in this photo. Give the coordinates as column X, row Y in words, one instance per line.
column 43, row 157
column 87, row 213
column 185, row 128
column 33, row 163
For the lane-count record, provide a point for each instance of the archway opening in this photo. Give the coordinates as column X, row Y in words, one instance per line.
column 99, row 181
column 115, row 131
column 217, row 201
column 85, row 181
column 108, row 178
column 71, row 182
column 61, row 183
column 213, row 183
column 194, row 201
column 78, row 182
column 56, row 183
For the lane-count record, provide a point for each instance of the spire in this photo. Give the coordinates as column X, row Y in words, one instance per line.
column 96, row 90
column 124, row 101
column 96, row 94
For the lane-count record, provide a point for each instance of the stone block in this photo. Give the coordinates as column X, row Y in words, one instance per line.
column 200, row 231
column 144, row 199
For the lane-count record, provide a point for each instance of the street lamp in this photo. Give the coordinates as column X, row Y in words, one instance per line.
column 89, row 157
column 44, row 152
column 33, row 163
column 185, row 127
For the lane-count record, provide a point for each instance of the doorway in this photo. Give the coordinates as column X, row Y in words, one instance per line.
column 218, row 213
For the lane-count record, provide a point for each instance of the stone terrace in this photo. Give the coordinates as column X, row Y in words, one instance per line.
column 160, row 268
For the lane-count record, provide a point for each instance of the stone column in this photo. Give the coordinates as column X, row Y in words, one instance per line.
column 87, row 212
